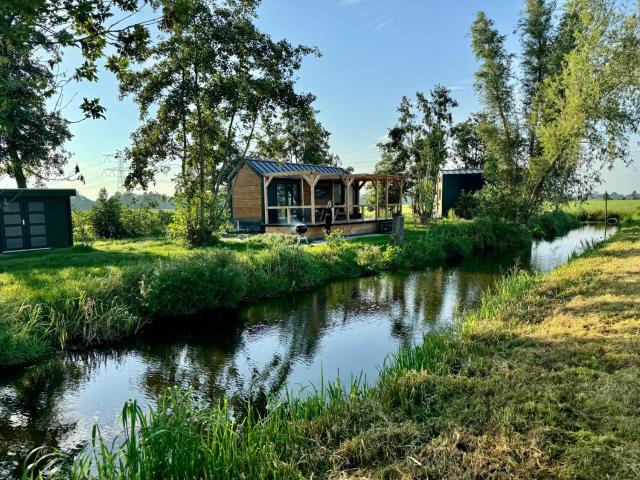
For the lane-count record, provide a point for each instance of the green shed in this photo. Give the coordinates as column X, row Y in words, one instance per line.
column 451, row 184
column 32, row 219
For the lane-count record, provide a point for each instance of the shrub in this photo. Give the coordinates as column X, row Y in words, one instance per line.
column 82, row 227
column 193, row 283
column 374, row 259
column 106, row 216
column 144, row 222
column 282, row 268
column 553, row 224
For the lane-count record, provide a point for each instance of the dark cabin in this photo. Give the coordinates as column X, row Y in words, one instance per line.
column 32, row 219
column 269, row 196
column 451, row 184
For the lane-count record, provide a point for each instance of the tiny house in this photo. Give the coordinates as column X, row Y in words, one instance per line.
column 32, row 219
column 451, row 184
column 270, row 196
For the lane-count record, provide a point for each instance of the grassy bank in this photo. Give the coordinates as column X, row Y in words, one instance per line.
column 90, row 295
column 542, row 381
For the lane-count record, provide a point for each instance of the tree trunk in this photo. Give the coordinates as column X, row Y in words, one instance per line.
column 18, row 173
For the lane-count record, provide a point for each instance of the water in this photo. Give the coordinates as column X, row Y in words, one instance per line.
column 344, row 329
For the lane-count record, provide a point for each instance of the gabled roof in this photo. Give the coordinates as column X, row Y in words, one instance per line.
column 461, row 171
column 263, row 167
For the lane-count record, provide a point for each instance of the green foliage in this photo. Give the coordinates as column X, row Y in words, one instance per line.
column 35, row 36
column 106, row 216
column 577, row 110
column 468, row 150
column 417, row 146
column 194, row 283
column 467, row 206
column 188, row 224
column 94, row 295
column 201, row 90
column 552, row 224
column 375, row 259
column 428, row 413
column 296, row 137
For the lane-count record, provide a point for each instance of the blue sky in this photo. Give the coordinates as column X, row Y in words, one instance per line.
column 373, row 52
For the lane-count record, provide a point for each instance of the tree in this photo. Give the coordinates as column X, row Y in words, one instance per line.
column 201, row 90
column 417, row 146
column 581, row 102
column 467, row 147
column 33, row 36
column 106, row 216
column 295, row 136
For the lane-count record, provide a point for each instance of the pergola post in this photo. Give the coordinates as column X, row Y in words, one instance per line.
column 312, row 180
column 386, row 198
column 376, row 189
column 348, row 181
column 265, row 182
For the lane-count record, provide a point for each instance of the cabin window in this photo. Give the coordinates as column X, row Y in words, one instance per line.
column 283, row 192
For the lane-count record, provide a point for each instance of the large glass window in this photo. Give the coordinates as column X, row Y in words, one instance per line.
column 287, row 192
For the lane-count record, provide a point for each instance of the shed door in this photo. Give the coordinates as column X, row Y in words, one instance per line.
column 22, row 225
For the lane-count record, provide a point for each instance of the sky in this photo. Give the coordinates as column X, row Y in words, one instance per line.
column 373, row 53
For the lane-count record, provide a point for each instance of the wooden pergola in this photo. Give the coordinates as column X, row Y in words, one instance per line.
column 352, row 182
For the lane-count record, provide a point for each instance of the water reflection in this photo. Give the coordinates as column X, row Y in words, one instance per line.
column 345, row 329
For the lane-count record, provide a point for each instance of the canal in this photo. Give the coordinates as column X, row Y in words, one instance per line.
column 344, row 329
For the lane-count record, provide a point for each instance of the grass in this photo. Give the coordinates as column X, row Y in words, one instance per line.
column 593, row 210
column 542, row 381
column 108, row 291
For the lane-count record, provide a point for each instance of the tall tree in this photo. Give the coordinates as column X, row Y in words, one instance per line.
column 468, row 150
column 34, row 34
column 201, row 90
column 581, row 102
column 417, row 146
column 295, row 136
column 538, row 45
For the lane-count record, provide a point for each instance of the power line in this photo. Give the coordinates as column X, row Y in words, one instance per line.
column 118, row 172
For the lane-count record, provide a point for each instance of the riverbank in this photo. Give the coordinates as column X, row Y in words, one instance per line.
column 542, row 381
column 92, row 295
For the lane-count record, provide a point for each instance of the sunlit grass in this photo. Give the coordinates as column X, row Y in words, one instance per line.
column 594, row 210
column 542, row 381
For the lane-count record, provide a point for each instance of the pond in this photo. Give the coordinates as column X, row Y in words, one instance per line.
column 344, row 329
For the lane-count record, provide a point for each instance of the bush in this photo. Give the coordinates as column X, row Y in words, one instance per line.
column 375, row 259
column 144, row 222
column 193, row 283
column 553, row 224
column 106, row 216
column 282, row 268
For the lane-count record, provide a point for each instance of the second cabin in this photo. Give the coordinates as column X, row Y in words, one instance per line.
column 272, row 197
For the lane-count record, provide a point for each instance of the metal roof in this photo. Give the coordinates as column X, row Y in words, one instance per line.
column 264, row 167
column 38, row 192
column 461, row 171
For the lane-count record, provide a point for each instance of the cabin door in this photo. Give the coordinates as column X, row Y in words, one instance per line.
column 22, row 225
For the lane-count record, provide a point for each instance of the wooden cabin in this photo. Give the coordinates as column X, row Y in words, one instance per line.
column 269, row 196
column 33, row 219
column 451, row 184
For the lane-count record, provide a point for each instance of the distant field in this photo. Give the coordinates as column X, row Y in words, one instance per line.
column 593, row 210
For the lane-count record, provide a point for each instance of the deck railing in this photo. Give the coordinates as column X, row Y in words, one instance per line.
column 291, row 214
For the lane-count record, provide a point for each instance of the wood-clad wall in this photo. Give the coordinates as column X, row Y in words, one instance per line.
column 247, row 194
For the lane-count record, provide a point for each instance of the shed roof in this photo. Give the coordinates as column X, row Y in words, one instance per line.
column 37, row 192
column 264, row 167
column 461, row 171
